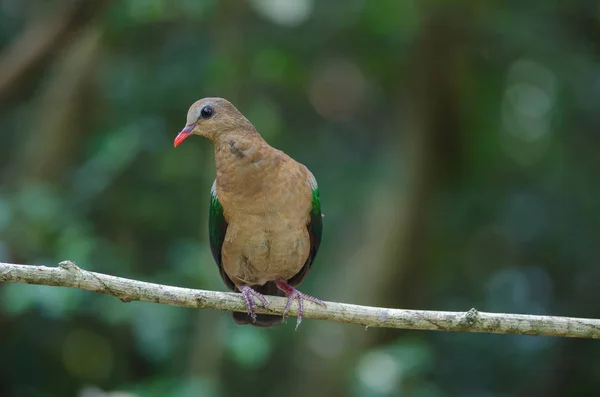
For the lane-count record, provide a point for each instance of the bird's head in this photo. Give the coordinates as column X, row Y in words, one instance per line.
column 212, row 118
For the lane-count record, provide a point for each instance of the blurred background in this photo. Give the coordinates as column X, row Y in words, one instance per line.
column 456, row 149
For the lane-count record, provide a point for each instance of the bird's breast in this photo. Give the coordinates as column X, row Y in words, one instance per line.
column 267, row 210
column 256, row 251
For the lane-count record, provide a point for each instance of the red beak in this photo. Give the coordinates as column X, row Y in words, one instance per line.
column 187, row 131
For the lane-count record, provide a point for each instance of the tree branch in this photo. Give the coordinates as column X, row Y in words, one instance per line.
column 68, row 274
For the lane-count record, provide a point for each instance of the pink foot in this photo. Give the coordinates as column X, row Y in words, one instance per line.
column 248, row 293
column 292, row 294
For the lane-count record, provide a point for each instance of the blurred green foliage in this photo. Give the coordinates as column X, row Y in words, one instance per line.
column 456, row 148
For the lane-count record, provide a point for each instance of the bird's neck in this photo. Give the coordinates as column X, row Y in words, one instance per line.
column 242, row 164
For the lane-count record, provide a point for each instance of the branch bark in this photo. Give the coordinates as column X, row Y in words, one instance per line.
column 68, row 274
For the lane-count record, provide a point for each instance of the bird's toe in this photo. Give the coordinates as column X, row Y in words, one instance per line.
column 248, row 293
column 294, row 295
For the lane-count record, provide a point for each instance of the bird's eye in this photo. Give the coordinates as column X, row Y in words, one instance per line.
column 207, row 112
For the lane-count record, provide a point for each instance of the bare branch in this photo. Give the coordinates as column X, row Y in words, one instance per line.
column 68, row 274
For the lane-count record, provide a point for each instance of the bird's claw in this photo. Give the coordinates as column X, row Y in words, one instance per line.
column 294, row 294
column 248, row 294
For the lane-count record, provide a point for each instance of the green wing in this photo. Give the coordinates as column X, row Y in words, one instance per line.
column 315, row 226
column 315, row 231
column 217, row 227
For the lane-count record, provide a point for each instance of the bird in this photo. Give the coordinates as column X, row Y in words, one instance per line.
column 265, row 221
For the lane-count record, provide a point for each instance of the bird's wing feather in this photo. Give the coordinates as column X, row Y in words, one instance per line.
column 315, row 231
column 217, row 227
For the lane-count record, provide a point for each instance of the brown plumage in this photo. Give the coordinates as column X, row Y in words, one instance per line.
column 265, row 223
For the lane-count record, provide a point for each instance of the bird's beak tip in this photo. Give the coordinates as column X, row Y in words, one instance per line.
column 180, row 138
column 187, row 131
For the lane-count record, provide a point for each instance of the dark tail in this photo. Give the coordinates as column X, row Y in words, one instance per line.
column 262, row 320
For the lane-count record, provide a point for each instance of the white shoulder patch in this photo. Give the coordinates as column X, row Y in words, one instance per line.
column 312, row 181
column 213, row 189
